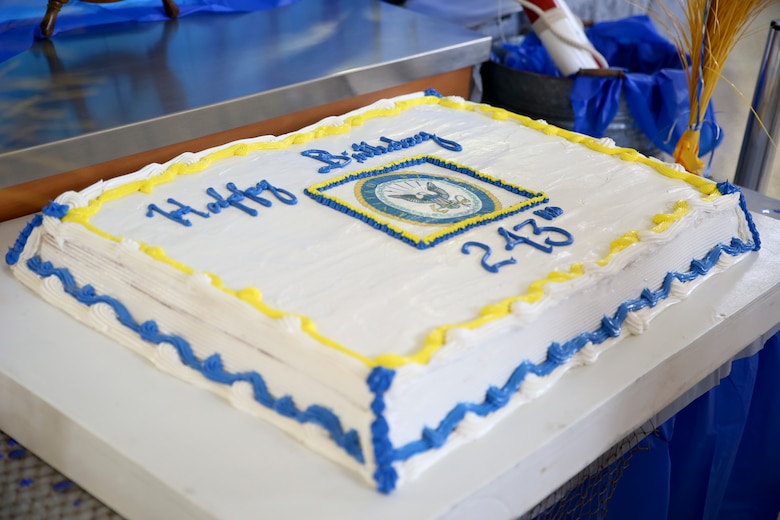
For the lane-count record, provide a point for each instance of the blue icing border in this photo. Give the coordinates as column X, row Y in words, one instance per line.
column 726, row 188
column 316, row 193
column 379, row 381
column 211, row 367
column 15, row 251
column 52, row 210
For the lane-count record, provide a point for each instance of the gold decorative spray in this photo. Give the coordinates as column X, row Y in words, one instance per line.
column 705, row 35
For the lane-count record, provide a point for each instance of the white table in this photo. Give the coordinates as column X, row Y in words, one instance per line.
column 151, row 446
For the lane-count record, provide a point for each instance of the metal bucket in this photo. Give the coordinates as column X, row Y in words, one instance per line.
column 548, row 97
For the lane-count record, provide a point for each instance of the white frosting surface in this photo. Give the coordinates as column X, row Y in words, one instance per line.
column 365, row 289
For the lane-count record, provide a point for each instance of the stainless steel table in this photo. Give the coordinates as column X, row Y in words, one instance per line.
column 108, row 92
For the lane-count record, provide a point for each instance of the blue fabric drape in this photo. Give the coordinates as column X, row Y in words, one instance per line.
column 717, row 459
column 20, row 19
column 654, row 84
column 753, row 487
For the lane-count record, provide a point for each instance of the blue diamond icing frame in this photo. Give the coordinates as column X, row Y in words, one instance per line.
column 317, row 192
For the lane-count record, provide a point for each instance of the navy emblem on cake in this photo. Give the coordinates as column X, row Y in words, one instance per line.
column 424, row 198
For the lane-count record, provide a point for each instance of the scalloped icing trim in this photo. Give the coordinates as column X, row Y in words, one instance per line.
column 436, row 339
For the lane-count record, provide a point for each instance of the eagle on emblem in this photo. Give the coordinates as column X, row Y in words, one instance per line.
column 437, row 197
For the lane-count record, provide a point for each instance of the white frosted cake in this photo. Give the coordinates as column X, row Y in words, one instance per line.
column 388, row 284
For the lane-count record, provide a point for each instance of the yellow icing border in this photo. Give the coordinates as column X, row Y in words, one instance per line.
column 437, row 338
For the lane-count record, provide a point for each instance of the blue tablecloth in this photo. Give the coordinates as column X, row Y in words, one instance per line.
column 717, row 459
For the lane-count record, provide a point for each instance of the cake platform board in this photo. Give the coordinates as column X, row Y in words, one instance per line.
column 151, row 446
